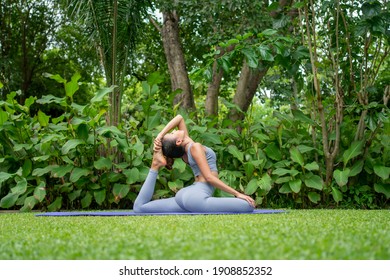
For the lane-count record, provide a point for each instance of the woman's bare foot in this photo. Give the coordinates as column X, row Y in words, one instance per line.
column 158, row 160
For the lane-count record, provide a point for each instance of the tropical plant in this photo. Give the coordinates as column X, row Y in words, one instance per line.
column 113, row 28
column 53, row 162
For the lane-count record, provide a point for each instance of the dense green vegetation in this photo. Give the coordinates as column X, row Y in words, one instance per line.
column 299, row 234
column 57, row 163
column 294, row 99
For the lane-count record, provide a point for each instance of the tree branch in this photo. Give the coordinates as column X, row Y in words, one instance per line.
column 155, row 23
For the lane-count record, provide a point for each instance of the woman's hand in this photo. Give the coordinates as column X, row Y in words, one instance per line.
column 247, row 198
column 157, row 144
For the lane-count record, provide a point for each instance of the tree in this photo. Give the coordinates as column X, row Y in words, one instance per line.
column 170, row 35
column 347, row 54
column 204, row 25
column 113, row 26
column 27, row 29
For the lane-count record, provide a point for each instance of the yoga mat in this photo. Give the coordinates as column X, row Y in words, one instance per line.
column 131, row 213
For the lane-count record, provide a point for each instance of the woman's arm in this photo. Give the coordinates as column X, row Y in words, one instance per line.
column 178, row 122
column 199, row 156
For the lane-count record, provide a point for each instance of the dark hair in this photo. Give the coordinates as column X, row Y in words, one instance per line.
column 170, row 149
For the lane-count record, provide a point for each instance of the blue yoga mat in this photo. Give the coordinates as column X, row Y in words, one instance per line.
column 131, row 213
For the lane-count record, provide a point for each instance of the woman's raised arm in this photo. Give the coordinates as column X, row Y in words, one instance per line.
column 178, row 122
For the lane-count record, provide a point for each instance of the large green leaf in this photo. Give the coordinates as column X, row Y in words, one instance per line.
column 100, row 196
column 337, row 194
column 20, row 147
column 295, row 185
column 285, row 189
column 299, row 115
column 55, row 77
column 296, row 156
column 383, row 188
column 155, row 78
column 83, row 131
column 9, row 200
column 61, row 171
column 77, row 173
column 175, row 185
column 265, row 53
column 21, row 187
column 265, row 182
column 149, row 89
column 99, row 96
column 353, row 151
column 40, row 192
column 29, row 203
column 249, row 169
column 225, row 63
column 233, row 150
column 55, row 205
column 283, row 171
column 103, row 163
column 312, row 166
column 356, row 168
column 74, row 195
column 179, row 165
column 132, row 175
column 122, row 142
column 268, row 32
column 30, row 101
column 72, row 86
column 43, row 119
column 314, row 197
column 41, row 158
column 3, row 117
column 252, row 187
column 70, row 145
column 120, row 191
column 273, row 152
column 48, row 99
column 138, row 146
column 42, row 171
column 4, row 176
column 251, row 57
column 27, row 168
column 304, row 149
column 108, row 131
column 210, row 138
column 382, row 171
column 314, row 181
column 154, row 121
column 341, row 176
column 87, row 200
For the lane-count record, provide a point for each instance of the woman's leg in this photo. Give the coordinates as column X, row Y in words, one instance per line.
column 143, row 203
column 198, row 198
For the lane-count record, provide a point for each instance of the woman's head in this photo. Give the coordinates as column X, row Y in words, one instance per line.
column 171, row 145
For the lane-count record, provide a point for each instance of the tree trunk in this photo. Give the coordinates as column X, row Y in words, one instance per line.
column 215, row 83
column 330, row 147
column 246, row 89
column 26, row 65
column 176, row 62
column 211, row 105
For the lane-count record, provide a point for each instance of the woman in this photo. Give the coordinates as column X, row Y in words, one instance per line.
column 198, row 196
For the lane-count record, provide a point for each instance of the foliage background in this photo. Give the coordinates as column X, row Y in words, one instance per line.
column 313, row 107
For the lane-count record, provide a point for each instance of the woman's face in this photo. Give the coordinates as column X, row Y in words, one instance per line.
column 176, row 135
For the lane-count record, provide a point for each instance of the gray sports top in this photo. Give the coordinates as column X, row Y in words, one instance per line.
column 211, row 158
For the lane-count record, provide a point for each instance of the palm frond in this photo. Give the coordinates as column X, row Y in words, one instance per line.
column 98, row 16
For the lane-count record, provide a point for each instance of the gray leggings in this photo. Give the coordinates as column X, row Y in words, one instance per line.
column 194, row 198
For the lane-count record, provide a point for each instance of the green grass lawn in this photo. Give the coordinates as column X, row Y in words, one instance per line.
column 299, row 234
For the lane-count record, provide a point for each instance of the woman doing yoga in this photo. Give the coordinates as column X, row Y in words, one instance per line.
column 197, row 197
